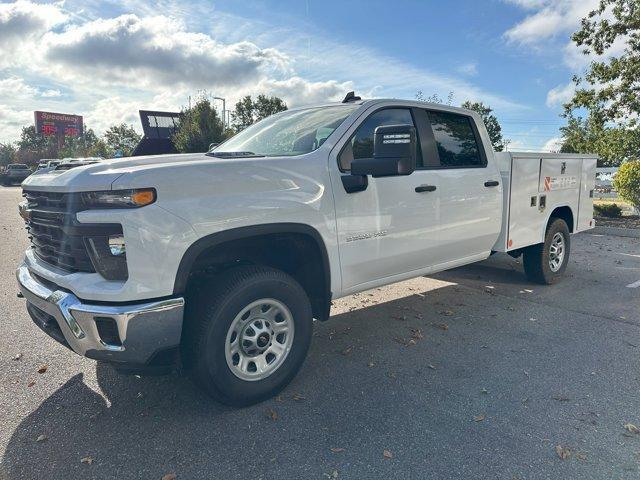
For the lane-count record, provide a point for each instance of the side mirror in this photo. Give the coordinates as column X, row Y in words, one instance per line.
column 394, row 153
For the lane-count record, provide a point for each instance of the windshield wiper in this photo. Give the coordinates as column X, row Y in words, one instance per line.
column 233, row 154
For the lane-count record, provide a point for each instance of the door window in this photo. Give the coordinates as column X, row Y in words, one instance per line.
column 456, row 140
column 361, row 143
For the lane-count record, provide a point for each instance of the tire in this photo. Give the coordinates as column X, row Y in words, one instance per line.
column 210, row 341
column 537, row 259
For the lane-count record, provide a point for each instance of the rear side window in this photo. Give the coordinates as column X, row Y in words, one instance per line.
column 361, row 143
column 455, row 139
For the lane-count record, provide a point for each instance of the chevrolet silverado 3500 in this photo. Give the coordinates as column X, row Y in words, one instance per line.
column 219, row 261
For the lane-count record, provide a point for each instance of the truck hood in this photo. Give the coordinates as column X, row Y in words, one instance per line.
column 101, row 175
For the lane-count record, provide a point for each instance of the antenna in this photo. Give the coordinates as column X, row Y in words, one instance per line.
column 350, row 97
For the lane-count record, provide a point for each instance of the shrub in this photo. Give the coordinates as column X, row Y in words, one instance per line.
column 608, row 210
column 627, row 182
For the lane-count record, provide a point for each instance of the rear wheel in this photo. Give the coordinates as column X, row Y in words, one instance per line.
column 247, row 334
column 546, row 262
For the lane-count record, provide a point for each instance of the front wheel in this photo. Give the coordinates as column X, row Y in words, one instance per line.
column 247, row 334
column 546, row 262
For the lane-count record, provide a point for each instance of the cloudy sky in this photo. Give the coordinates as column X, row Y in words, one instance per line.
column 108, row 59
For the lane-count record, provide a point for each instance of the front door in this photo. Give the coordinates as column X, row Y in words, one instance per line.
column 390, row 228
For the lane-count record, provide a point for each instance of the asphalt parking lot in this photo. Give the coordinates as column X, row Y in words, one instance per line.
column 471, row 374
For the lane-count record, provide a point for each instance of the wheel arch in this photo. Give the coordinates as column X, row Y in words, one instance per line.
column 565, row 213
column 318, row 289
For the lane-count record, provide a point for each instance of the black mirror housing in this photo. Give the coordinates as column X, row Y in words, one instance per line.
column 394, row 153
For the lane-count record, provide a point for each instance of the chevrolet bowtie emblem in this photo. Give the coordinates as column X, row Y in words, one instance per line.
column 23, row 210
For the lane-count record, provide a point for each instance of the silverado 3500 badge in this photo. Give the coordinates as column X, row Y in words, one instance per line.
column 366, row 236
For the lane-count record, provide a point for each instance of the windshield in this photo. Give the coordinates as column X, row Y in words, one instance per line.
column 288, row 133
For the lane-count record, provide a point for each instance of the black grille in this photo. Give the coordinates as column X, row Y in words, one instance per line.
column 56, row 236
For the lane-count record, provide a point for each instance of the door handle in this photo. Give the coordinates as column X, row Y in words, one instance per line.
column 491, row 183
column 425, row 188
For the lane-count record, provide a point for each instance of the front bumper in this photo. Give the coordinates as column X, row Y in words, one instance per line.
column 140, row 334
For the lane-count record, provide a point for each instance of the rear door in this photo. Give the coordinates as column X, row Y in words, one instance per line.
column 469, row 188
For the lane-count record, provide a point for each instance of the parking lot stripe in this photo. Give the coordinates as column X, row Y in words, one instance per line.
column 634, row 284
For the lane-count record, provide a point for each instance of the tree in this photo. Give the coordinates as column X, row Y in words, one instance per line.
column 249, row 111
column 81, row 146
column 627, row 182
column 490, row 121
column 435, row 98
column 7, row 154
column 32, row 146
column 610, row 89
column 121, row 137
column 199, row 127
column 613, row 144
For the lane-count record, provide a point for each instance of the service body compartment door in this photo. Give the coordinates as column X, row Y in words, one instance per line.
column 588, row 184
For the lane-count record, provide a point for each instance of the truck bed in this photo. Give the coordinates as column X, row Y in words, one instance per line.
column 536, row 184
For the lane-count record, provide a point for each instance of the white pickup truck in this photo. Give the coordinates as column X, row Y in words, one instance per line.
column 219, row 261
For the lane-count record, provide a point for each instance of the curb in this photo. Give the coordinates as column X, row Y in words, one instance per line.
column 617, row 231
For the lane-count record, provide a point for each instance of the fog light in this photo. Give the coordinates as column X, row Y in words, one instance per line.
column 116, row 245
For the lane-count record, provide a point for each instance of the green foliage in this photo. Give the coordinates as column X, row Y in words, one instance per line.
column 32, row 147
column 199, row 127
column 611, row 210
column 490, row 121
column 121, row 137
column 7, row 154
column 249, row 111
column 612, row 144
column 609, row 89
column 435, row 98
column 627, row 182
column 81, row 146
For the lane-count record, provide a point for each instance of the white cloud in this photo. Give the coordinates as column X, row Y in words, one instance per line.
column 23, row 23
column 51, row 93
column 550, row 18
column 560, row 95
column 552, row 145
column 470, row 69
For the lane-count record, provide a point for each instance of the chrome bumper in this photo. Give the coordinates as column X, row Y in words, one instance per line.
column 144, row 330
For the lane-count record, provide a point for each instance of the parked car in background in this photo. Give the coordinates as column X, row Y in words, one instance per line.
column 14, row 174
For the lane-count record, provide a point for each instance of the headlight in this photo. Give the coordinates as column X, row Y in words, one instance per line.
column 119, row 198
column 108, row 256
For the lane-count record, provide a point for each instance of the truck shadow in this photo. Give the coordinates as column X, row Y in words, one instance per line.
column 360, row 363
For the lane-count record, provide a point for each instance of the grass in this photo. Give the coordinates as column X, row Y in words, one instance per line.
column 627, row 209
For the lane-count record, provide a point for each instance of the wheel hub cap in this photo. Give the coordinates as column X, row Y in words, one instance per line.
column 556, row 252
column 259, row 339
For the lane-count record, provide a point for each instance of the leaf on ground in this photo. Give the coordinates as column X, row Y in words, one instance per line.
column 279, row 398
column 371, row 364
column 271, row 413
column 31, row 384
column 332, row 474
column 631, row 428
column 41, row 438
column 387, row 454
column 446, row 313
column 17, row 356
column 432, row 367
column 443, row 326
column 416, row 334
column 347, row 350
column 87, row 460
column 298, row 397
column 563, row 452
column 43, row 368
column 561, row 399
column 581, row 456
column 484, row 391
column 479, row 418
column 337, row 450
column 169, row 476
